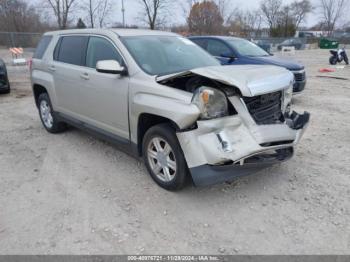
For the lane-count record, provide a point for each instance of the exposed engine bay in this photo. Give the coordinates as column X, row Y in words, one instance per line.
column 190, row 82
column 214, row 93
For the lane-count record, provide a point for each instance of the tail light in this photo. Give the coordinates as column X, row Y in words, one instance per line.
column 30, row 63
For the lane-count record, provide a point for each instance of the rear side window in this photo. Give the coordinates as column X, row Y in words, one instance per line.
column 42, row 46
column 201, row 42
column 101, row 49
column 71, row 50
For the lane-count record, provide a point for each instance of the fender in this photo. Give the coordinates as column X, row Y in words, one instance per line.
column 183, row 114
column 46, row 80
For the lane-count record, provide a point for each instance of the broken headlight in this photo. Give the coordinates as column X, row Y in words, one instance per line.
column 211, row 102
column 287, row 99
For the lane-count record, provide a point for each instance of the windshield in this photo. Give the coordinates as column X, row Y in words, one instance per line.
column 163, row 55
column 247, row 48
column 287, row 42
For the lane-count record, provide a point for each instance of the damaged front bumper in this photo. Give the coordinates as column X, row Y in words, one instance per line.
column 222, row 149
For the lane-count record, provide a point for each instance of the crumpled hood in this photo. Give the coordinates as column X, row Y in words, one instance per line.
column 251, row 80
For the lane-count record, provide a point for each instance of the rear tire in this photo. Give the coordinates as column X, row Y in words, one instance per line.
column 48, row 117
column 333, row 60
column 164, row 158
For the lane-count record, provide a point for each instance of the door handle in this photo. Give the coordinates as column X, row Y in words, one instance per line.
column 52, row 68
column 85, row 76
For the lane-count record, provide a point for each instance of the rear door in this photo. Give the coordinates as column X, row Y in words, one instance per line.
column 39, row 60
column 40, row 51
column 68, row 69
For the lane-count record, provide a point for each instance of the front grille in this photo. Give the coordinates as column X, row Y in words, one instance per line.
column 300, row 76
column 265, row 109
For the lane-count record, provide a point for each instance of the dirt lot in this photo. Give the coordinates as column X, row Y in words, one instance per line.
column 73, row 194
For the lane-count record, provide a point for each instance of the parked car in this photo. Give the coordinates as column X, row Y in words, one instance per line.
column 4, row 81
column 238, row 51
column 295, row 42
column 159, row 96
column 264, row 44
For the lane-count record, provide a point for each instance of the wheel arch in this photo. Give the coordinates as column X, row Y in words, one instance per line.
column 37, row 91
column 147, row 121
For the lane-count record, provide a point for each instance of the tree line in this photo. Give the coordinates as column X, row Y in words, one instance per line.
column 202, row 16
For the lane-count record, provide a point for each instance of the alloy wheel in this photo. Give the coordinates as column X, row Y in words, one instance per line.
column 46, row 115
column 162, row 159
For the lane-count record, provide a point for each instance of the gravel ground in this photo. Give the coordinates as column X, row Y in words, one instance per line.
column 74, row 194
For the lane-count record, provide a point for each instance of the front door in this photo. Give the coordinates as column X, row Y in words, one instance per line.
column 105, row 96
column 219, row 49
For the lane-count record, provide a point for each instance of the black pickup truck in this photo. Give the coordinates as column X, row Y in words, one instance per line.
column 4, row 81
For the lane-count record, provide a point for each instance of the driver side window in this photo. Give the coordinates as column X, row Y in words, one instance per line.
column 217, row 48
column 101, row 49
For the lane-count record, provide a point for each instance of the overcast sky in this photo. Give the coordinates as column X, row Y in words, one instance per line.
column 133, row 8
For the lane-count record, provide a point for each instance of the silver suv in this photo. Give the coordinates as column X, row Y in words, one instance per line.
column 161, row 97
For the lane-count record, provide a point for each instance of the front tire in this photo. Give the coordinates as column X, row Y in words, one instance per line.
column 48, row 116
column 164, row 158
column 4, row 92
column 8, row 90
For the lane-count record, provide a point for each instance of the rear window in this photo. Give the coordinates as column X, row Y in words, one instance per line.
column 72, row 50
column 42, row 46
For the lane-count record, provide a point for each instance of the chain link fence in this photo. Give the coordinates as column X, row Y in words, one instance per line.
column 24, row 40
column 273, row 43
column 31, row 40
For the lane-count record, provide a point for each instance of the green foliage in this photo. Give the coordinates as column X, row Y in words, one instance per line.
column 81, row 24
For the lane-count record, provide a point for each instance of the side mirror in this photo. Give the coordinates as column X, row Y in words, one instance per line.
column 110, row 67
column 229, row 55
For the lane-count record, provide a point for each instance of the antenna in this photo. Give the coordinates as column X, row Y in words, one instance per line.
column 123, row 11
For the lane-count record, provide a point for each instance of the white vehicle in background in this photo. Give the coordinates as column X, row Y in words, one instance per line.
column 161, row 97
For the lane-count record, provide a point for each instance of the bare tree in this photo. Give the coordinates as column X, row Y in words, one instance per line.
column 226, row 11
column 286, row 23
column 205, row 18
column 61, row 9
column 153, row 12
column 332, row 12
column 98, row 11
column 300, row 11
column 92, row 10
column 19, row 16
column 284, row 20
column 271, row 10
column 186, row 6
column 245, row 23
